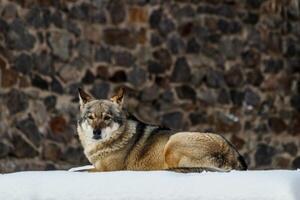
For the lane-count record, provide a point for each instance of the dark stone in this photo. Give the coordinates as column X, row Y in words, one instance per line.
column 173, row 120
column 80, row 12
column 254, row 77
column 9, row 11
column 251, row 18
column 226, row 10
column 163, row 57
column 186, row 29
column 24, row 63
column 60, row 129
column 155, row 39
column 3, row 26
column 56, row 86
column 142, row 2
column 186, row 11
column 234, row 77
column 60, row 41
column 291, row 148
column 120, row 37
column 167, row 96
column 72, row 27
column 251, row 98
column 273, row 41
column 155, row 67
column 116, row 11
column 50, row 102
column 150, row 93
column 88, row 78
column 21, row 148
column 118, row 77
column 290, row 48
column 227, row 123
column 296, row 163
column 56, row 19
column 175, row 44
column 207, row 9
column 166, row 26
column 18, row 37
column 265, row 107
column 298, row 87
column 50, row 167
column 9, row 77
column 254, row 3
column 102, row 72
column 182, row 71
column 250, row 58
column 100, row 90
column 155, row 18
column 295, row 102
column 39, row 82
column 103, row 54
column 276, row 124
column 186, row 92
column 237, row 142
column 16, row 101
column 237, row 97
column 273, row 65
column 162, row 81
column 99, row 17
column 214, row 79
column 229, row 27
column 261, row 128
column 198, row 77
column 224, row 96
column 74, row 155
column 264, row 154
column 124, row 59
column 51, row 151
column 197, row 118
column 231, row 48
column 84, row 49
column 2, row 63
column 137, row 76
column 5, row 149
column 38, row 18
column 43, row 63
column 29, row 128
column 73, row 88
column 89, row 13
column 293, row 65
column 201, row 33
column 193, row 46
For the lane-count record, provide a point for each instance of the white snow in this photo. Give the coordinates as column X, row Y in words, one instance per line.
column 235, row 185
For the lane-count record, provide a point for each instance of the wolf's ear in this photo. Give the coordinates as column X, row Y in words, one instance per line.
column 119, row 97
column 84, row 97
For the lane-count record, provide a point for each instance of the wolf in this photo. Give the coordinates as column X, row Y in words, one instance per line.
column 113, row 139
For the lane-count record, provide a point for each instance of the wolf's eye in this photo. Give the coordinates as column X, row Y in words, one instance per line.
column 106, row 117
column 90, row 116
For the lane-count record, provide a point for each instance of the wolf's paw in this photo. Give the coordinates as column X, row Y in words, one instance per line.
column 87, row 168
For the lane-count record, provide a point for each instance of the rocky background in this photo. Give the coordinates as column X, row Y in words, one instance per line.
column 226, row 66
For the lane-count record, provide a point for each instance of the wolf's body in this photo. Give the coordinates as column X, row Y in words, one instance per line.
column 126, row 143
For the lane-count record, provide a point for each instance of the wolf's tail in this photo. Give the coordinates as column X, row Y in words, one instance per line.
column 197, row 169
column 242, row 163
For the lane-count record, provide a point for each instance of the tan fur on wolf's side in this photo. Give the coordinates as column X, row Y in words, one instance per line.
column 113, row 140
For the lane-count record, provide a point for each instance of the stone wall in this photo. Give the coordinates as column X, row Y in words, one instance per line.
column 226, row 66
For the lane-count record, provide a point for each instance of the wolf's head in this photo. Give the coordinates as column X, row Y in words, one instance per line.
column 99, row 118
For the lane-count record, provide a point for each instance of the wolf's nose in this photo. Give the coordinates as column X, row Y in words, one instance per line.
column 97, row 134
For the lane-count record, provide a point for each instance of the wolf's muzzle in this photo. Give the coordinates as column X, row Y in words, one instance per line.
column 97, row 134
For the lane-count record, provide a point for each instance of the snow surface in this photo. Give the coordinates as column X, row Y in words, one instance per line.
column 132, row 185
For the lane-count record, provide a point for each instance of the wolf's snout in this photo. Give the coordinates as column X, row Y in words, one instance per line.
column 97, row 134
